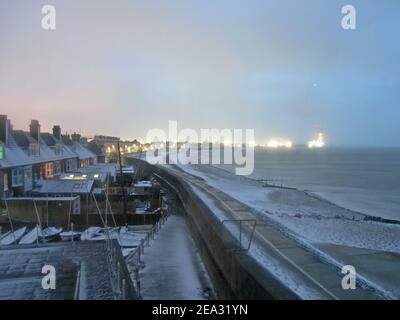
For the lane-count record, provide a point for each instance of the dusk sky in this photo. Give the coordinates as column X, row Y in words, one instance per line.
column 282, row 67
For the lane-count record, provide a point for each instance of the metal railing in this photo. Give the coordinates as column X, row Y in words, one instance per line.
column 240, row 222
column 134, row 259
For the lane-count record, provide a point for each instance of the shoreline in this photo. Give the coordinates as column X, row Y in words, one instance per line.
column 367, row 217
column 311, row 194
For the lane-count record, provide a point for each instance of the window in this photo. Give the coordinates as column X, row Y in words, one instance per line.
column 1, row 152
column 71, row 165
column 48, row 170
column 17, row 177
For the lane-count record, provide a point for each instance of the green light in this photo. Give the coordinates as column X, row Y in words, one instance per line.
column 1, row 152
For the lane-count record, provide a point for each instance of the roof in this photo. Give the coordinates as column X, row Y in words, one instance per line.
column 14, row 157
column 48, row 139
column 64, row 187
column 106, row 168
column 84, row 176
column 47, row 199
column 143, row 184
column 82, row 152
column 96, row 149
column 16, row 153
column 66, row 139
column 21, row 139
column 21, row 271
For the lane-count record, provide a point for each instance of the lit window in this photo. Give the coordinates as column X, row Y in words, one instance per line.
column 1, row 152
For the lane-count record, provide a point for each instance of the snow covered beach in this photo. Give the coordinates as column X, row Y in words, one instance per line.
column 310, row 218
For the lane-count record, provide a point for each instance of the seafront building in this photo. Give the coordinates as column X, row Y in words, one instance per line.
column 106, row 147
column 27, row 157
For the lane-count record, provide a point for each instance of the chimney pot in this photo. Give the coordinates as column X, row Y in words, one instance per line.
column 34, row 129
column 4, row 129
column 57, row 132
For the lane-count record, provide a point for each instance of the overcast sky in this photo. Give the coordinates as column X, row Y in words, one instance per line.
column 282, row 67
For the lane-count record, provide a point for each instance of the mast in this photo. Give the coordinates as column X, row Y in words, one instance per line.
column 123, row 182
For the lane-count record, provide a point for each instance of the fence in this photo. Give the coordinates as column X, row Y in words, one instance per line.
column 134, row 261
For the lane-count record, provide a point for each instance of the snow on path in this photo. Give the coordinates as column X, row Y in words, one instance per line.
column 174, row 270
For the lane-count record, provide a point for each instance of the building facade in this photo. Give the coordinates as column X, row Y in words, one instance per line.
column 29, row 156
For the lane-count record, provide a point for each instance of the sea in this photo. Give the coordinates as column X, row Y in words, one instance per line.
column 366, row 180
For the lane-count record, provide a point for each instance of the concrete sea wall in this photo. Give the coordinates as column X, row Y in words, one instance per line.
column 235, row 274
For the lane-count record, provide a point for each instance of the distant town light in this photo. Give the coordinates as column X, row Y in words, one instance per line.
column 317, row 143
column 279, row 144
column 288, row 144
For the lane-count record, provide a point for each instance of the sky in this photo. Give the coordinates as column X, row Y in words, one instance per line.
column 284, row 68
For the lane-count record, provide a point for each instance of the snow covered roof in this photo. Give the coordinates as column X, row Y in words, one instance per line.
column 20, row 282
column 84, row 176
column 39, row 199
column 64, row 186
column 82, row 152
column 48, row 139
column 143, row 184
column 14, row 156
column 96, row 149
column 99, row 168
column 16, row 153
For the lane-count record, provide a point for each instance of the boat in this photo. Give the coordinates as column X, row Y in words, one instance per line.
column 128, row 239
column 32, row 236
column 90, row 233
column 13, row 237
column 103, row 234
column 70, row 235
column 127, row 251
column 50, row 234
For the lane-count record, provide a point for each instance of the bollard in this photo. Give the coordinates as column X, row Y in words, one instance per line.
column 123, row 289
column 117, row 271
column 141, row 246
column 138, row 255
column 137, row 282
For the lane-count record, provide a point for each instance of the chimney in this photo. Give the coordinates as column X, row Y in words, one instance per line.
column 34, row 129
column 76, row 137
column 4, row 129
column 57, row 132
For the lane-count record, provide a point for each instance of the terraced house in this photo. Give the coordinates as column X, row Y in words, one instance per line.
column 28, row 156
